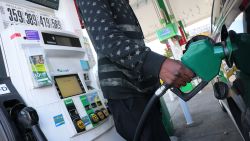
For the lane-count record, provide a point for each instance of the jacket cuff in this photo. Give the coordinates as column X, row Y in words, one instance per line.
column 152, row 64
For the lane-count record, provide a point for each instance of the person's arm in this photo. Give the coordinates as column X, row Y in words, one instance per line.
column 111, row 42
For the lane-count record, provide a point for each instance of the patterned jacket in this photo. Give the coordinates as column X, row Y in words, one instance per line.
column 126, row 67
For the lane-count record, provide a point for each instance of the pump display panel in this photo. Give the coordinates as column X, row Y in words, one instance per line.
column 53, row 39
column 69, row 85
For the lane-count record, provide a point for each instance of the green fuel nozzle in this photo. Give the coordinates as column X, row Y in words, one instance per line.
column 204, row 58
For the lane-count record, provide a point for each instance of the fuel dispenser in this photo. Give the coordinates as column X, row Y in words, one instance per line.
column 50, row 71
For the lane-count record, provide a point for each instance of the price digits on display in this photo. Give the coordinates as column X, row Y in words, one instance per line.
column 32, row 19
column 15, row 15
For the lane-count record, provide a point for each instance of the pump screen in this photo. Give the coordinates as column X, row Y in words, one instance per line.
column 69, row 86
column 63, row 41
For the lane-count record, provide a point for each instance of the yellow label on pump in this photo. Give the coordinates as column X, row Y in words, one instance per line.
column 38, row 67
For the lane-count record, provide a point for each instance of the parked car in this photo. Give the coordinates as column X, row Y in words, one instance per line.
column 233, row 15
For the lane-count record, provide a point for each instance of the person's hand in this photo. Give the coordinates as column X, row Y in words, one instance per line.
column 174, row 73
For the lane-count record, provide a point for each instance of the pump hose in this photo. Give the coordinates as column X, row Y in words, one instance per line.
column 159, row 92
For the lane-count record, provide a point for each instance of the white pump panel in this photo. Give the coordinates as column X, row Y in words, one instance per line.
column 37, row 67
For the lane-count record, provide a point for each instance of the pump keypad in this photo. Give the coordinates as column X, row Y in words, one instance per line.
column 100, row 115
column 94, row 118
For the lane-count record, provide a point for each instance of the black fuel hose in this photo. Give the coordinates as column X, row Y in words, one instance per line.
column 155, row 98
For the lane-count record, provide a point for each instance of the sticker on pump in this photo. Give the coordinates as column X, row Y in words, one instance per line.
column 15, row 35
column 4, row 89
column 32, row 35
column 59, row 120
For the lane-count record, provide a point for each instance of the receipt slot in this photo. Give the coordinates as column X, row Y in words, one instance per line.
column 50, row 71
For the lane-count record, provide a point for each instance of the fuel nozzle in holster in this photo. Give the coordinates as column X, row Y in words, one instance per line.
column 27, row 120
column 17, row 121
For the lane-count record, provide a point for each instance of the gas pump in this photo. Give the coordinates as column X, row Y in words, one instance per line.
column 50, row 71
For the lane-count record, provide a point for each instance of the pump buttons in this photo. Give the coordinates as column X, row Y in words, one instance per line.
column 94, row 118
column 100, row 115
column 105, row 112
column 221, row 90
column 80, row 124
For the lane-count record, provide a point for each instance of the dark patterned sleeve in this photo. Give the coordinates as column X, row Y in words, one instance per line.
column 111, row 42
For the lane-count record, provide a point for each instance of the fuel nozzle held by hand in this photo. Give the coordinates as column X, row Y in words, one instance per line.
column 204, row 57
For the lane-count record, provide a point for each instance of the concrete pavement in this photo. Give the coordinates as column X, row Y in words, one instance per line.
column 212, row 123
